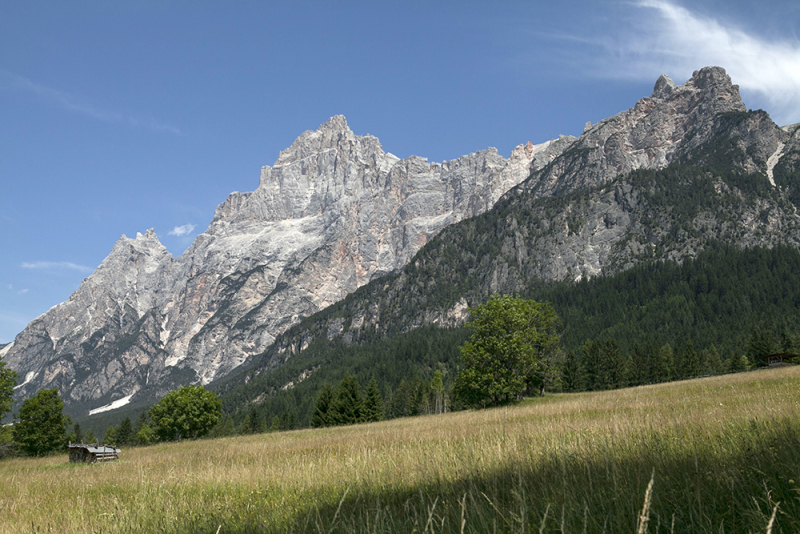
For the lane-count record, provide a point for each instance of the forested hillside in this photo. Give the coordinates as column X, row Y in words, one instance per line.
column 724, row 304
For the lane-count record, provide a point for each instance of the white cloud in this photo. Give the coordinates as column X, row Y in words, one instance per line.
column 669, row 38
column 9, row 80
column 179, row 231
column 56, row 265
column 22, row 291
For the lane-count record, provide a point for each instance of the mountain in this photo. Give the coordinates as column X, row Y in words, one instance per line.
column 333, row 213
column 687, row 167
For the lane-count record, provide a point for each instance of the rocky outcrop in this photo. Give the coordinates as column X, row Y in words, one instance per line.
column 661, row 129
column 334, row 212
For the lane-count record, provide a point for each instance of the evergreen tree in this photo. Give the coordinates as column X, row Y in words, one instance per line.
column 124, row 434
column 572, row 376
column 110, row 437
column 593, row 365
column 89, row 437
column 760, row 344
column 664, row 365
column 691, row 362
column 288, row 420
column 276, row 424
column 78, row 433
column 616, row 371
column 710, row 361
column 348, row 406
column 251, row 422
column 322, row 406
column 373, row 402
column 399, row 405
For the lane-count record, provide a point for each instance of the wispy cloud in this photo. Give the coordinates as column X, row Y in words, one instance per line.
column 672, row 39
column 179, row 231
column 22, row 291
column 11, row 81
column 56, row 266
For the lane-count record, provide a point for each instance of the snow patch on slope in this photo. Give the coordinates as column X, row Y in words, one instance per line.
column 119, row 403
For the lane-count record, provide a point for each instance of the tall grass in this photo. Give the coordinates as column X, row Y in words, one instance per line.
column 715, row 455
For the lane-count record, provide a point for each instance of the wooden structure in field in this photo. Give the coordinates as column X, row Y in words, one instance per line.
column 80, row 452
column 779, row 359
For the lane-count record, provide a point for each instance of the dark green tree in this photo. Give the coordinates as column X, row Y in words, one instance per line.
column 572, row 375
column 664, row 369
column 42, row 425
column 322, row 407
column 110, row 437
column 691, row 362
column 276, row 424
column 78, row 433
column 373, row 402
column 347, row 407
column 512, row 345
column 253, row 423
column 8, row 379
column 89, row 437
column 185, row 413
column 125, row 435
column 761, row 343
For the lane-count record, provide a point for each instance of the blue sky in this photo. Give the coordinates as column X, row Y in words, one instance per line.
column 116, row 117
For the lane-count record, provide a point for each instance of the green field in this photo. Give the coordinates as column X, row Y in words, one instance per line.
column 723, row 454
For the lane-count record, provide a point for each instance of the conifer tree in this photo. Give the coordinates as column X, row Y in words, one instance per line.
column 78, row 433
column 373, row 402
column 665, row 364
column 691, row 362
column 710, row 361
column 276, row 424
column 89, row 437
column 348, row 406
column 124, row 433
column 572, row 376
column 322, row 407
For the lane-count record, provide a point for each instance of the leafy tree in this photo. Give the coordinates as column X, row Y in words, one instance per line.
column 185, row 413
column 373, row 402
column 42, row 425
column 8, row 379
column 348, row 406
column 322, row 406
column 512, row 344
column 145, row 435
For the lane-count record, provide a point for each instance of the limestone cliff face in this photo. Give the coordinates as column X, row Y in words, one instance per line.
column 685, row 168
column 333, row 212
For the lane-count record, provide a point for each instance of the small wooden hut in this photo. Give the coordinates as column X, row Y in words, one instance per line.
column 778, row 360
column 81, row 452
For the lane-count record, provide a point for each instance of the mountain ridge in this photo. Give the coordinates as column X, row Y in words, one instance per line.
column 332, row 213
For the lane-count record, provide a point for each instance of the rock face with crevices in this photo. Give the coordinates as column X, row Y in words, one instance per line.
column 334, row 212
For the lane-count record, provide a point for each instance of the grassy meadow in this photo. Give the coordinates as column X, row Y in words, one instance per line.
column 718, row 454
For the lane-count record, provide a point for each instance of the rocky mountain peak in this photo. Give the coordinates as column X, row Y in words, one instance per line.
column 664, row 87
column 672, row 121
